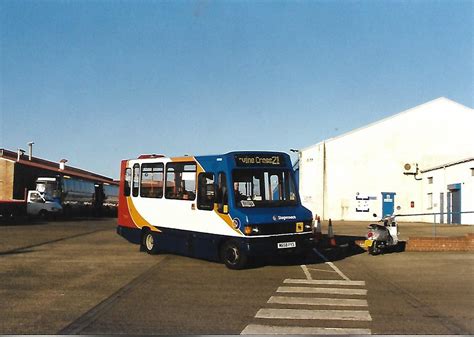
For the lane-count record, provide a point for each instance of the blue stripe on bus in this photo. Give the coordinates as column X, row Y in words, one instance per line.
column 206, row 246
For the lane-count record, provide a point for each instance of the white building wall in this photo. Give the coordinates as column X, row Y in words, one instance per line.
column 311, row 190
column 441, row 178
column 365, row 162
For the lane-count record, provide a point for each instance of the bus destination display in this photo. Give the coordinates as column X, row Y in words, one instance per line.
column 244, row 160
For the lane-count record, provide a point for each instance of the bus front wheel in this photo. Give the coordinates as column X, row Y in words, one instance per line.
column 149, row 243
column 233, row 256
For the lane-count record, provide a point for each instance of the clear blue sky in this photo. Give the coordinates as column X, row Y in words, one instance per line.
column 100, row 81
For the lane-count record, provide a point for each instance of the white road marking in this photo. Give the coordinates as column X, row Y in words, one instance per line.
column 257, row 329
column 310, row 290
column 306, row 272
column 309, row 314
column 332, row 282
column 343, row 302
column 322, row 270
column 345, row 315
column 331, row 265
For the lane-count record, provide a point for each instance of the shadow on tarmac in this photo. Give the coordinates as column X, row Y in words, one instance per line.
column 17, row 252
column 35, row 221
column 28, row 249
column 22, row 221
column 346, row 246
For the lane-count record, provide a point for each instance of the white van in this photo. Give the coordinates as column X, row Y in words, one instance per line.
column 40, row 204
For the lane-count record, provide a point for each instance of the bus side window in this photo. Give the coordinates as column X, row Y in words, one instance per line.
column 181, row 181
column 222, row 194
column 206, row 191
column 151, row 182
column 136, row 180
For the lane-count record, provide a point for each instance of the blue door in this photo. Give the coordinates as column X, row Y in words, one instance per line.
column 388, row 202
column 454, row 203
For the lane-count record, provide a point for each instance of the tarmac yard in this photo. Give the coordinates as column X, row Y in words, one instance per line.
column 80, row 277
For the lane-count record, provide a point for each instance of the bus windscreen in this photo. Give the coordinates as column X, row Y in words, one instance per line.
column 263, row 188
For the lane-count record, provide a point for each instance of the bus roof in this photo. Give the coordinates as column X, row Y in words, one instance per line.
column 228, row 154
column 241, row 158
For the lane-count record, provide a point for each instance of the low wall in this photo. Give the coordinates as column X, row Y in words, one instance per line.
column 439, row 244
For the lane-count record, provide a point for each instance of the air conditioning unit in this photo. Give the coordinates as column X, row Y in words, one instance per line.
column 410, row 168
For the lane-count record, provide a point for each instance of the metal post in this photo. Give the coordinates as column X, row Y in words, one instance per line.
column 30, row 150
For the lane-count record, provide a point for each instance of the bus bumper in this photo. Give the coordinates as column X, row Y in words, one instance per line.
column 279, row 245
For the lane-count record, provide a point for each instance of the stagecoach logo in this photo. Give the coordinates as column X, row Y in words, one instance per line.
column 284, row 217
column 236, row 222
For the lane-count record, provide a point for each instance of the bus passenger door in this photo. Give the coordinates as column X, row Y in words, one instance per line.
column 203, row 244
column 206, row 191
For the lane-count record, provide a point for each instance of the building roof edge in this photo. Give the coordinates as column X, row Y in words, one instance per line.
column 442, row 98
column 462, row 161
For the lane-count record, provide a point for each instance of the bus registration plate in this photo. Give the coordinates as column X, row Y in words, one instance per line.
column 286, row 244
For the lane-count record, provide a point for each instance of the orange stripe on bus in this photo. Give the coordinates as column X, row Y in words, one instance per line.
column 137, row 219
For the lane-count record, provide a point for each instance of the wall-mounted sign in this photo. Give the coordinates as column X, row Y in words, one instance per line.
column 362, row 206
column 362, row 202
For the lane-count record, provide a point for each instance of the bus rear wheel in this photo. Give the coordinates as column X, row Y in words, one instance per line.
column 233, row 256
column 149, row 244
